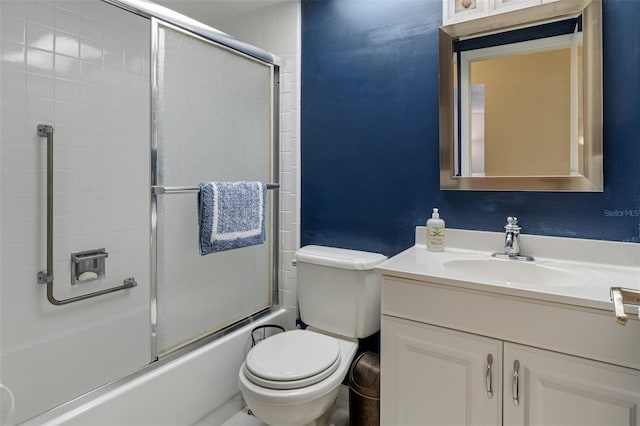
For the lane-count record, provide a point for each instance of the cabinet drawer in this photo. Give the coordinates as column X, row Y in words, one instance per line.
column 584, row 332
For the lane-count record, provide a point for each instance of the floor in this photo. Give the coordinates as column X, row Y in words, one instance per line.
column 338, row 414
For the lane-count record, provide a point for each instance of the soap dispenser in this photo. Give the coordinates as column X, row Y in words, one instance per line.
column 435, row 232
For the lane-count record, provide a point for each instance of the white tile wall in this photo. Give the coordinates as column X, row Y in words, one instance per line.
column 277, row 30
column 83, row 67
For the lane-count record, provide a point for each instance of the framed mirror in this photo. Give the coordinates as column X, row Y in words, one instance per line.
column 521, row 100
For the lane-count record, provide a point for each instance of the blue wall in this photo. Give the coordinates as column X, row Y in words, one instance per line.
column 369, row 133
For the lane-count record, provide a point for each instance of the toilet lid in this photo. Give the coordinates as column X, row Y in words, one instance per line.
column 293, row 356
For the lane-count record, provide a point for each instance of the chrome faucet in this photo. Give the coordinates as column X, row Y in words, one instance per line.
column 511, row 242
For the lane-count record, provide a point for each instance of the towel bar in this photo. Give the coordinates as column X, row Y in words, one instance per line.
column 157, row 189
column 46, row 276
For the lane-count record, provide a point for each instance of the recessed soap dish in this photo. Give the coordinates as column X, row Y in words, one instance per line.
column 87, row 265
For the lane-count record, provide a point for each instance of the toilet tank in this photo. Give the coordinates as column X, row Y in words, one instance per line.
column 338, row 291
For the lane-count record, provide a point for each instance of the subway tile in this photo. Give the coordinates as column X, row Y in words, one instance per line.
column 39, row 109
column 68, row 137
column 12, row 29
column 91, row 94
column 90, row 160
column 13, row 57
column 91, row 28
column 93, row 9
column 67, row 90
column 286, row 121
column 39, row 85
column 134, row 62
column 283, row 44
column 267, row 37
column 113, row 77
column 18, row 255
column 14, row 99
column 286, row 160
column 291, row 297
column 39, row 61
column 67, row 44
column 67, row 21
column 67, row 68
column 15, row 9
column 66, row 203
column 90, row 181
column 114, row 56
column 90, row 50
column 66, row 113
column 20, row 205
column 12, row 157
column 65, row 226
column 287, row 183
column 21, row 231
column 284, row 16
column 40, row 12
column 74, row 6
column 91, row 73
column 285, row 82
column 66, row 158
column 12, row 131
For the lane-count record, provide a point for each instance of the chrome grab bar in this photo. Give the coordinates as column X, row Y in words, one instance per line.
column 46, row 276
column 157, row 189
column 621, row 296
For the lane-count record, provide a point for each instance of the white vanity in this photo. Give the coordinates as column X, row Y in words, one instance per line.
column 468, row 339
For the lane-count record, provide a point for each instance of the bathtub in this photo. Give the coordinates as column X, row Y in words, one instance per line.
column 178, row 390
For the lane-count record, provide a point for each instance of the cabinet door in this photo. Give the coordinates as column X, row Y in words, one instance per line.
column 556, row 389
column 436, row 376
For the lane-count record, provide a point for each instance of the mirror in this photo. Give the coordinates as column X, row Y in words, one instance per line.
column 521, row 100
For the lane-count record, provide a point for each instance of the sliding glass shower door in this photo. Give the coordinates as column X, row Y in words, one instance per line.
column 214, row 121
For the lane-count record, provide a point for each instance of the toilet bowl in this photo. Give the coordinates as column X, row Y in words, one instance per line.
column 303, row 380
column 293, row 378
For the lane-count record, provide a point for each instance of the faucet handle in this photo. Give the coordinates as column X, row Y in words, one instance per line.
column 512, row 224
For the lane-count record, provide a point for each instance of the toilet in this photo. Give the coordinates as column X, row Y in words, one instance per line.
column 293, row 378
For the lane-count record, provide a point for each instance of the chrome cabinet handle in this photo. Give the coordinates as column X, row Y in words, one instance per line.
column 515, row 383
column 488, row 376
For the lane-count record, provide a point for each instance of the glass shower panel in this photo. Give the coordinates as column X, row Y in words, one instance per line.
column 214, row 123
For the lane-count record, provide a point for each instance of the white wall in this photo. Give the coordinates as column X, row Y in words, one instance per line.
column 82, row 67
column 276, row 29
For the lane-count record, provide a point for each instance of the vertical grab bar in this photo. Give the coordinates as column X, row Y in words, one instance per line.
column 46, row 276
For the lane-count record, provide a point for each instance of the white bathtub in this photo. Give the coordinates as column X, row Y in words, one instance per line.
column 173, row 392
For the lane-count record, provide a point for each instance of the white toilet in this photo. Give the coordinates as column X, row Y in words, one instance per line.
column 293, row 378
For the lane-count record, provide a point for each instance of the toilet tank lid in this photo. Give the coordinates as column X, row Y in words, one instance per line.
column 339, row 258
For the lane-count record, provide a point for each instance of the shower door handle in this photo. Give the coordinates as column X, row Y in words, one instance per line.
column 46, row 276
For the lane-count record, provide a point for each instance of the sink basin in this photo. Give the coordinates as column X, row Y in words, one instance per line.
column 515, row 272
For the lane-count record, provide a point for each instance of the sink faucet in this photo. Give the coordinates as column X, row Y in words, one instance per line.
column 511, row 244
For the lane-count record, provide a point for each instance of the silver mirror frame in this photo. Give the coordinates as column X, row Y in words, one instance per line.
column 592, row 178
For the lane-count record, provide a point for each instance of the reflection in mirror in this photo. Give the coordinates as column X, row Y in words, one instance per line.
column 524, row 110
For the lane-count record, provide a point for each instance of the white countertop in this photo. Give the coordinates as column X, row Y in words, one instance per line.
column 593, row 267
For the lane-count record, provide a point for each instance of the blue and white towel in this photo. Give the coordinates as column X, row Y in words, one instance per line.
column 231, row 215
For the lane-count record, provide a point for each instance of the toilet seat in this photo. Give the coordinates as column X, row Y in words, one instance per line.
column 292, row 360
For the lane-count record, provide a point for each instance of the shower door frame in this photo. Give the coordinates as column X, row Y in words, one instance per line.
column 161, row 16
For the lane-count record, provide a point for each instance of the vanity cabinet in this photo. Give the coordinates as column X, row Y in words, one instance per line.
column 456, row 356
